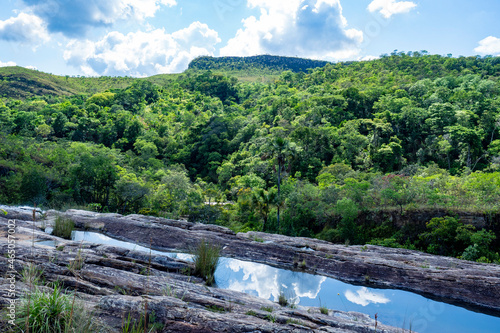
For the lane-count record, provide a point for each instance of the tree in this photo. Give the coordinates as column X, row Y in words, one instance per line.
column 263, row 200
column 59, row 124
column 33, row 187
column 129, row 192
column 93, row 175
column 282, row 151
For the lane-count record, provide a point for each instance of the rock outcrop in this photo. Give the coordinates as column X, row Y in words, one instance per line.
column 116, row 282
column 469, row 284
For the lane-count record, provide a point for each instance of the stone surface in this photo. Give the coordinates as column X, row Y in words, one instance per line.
column 466, row 283
column 116, row 282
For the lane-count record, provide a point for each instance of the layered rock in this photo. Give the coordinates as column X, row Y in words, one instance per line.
column 116, row 282
column 470, row 284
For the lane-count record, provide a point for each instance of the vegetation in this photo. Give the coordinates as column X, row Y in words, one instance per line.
column 146, row 323
column 63, row 227
column 206, row 259
column 311, row 153
column 53, row 312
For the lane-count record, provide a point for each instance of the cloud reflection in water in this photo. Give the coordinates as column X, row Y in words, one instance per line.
column 365, row 297
column 266, row 282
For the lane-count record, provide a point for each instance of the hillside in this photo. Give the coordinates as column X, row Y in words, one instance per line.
column 403, row 133
column 260, row 62
column 262, row 68
column 20, row 82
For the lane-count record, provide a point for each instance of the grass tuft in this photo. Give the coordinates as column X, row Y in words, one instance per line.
column 53, row 312
column 63, row 227
column 206, row 259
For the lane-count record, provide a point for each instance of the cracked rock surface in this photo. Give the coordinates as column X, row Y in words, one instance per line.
column 115, row 282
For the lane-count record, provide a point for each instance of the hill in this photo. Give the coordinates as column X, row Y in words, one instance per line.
column 269, row 62
column 405, row 132
column 19, row 82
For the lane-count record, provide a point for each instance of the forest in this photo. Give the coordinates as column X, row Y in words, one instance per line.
column 303, row 153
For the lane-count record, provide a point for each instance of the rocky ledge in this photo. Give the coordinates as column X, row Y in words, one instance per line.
column 115, row 282
column 469, row 284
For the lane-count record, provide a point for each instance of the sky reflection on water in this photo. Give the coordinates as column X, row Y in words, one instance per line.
column 394, row 307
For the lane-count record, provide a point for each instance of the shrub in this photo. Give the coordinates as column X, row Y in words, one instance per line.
column 282, row 299
column 53, row 312
column 206, row 259
column 63, row 227
column 285, row 300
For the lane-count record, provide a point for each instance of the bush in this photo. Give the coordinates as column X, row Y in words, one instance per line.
column 206, row 259
column 53, row 312
column 63, row 227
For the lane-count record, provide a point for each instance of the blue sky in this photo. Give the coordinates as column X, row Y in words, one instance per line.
column 147, row 37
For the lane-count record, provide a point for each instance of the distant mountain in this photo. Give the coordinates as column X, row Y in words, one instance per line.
column 274, row 63
column 21, row 83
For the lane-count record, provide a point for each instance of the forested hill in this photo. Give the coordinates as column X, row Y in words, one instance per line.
column 406, row 132
column 21, row 83
column 269, row 62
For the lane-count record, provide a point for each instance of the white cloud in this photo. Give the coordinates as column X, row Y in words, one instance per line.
column 364, row 297
column 306, row 28
column 391, row 7
column 489, row 46
column 24, row 28
column 8, row 63
column 74, row 17
column 142, row 53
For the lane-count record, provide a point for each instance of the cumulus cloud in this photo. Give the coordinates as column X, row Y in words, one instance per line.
column 364, row 297
column 74, row 17
column 391, row 7
column 142, row 53
column 489, row 46
column 8, row 63
column 24, row 28
column 306, row 28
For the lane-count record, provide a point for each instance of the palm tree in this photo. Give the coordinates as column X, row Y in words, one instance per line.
column 283, row 151
column 262, row 200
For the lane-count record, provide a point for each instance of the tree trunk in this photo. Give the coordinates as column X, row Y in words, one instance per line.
column 279, row 197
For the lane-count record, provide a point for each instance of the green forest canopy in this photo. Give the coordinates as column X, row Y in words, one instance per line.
column 406, row 131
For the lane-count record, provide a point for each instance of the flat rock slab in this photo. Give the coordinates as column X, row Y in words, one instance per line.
column 470, row 284
column 116, row 282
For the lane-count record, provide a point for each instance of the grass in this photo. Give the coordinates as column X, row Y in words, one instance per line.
column 267, row 308
column 63, row 227
column 323, row 309
column 78, row 262
column 53, row 312
column 271, row 318
column 216, row 308
column 295, row 321
column 31, row 274
column 206, row 259
column 284, row 300
column 145, row 324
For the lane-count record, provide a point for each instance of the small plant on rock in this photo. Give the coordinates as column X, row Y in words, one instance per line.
column 63, row 227
column 206, row 259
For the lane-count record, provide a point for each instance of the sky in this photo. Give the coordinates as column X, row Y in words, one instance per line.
column 147, row 37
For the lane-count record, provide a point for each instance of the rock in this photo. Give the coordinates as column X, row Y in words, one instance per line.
column 448, row 279
column 117, row 282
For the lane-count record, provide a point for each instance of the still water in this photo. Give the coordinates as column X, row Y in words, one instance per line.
column 396, row 308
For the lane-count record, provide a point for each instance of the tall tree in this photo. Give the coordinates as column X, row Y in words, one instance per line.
column 282, row 151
